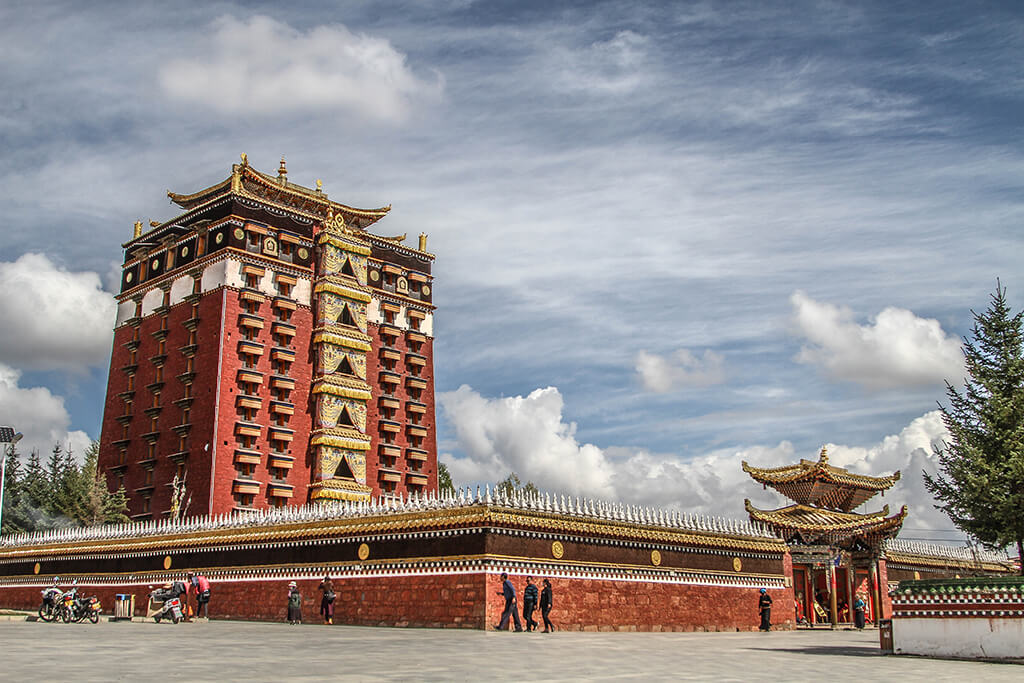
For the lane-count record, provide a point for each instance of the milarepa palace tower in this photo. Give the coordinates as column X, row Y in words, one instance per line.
column 269, row 350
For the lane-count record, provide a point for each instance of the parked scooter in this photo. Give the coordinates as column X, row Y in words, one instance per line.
column 165, row 602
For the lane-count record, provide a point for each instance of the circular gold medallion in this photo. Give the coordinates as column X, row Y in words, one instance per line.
column 917, row 576
column 656, row 558
column 219, row 238
column 167, row 562
column 35, row 569
column 239, row 234
column 303, row 253
column 557, row 550
column 184, row 251
column 374, row 275
column 364, row 551
column 737, row 564
column 155, row 264
column 128, row 277
column 426, row 290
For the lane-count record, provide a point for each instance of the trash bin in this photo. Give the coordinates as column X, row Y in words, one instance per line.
column 885, row 636
column 124, row 607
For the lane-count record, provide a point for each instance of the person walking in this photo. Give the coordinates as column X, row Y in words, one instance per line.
column 858, row 612
column 508, row 591
column 545, row 606
column 294, row 604
column 764, row 606
column 327, row 600
column 199, row 584
column 529, row 604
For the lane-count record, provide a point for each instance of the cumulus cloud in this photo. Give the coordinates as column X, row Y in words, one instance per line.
column 263, row 66
column 529, row 436
column 662, row 374
column 896, row 349
column 53, row 319
column 39, row 415
column 525, row 435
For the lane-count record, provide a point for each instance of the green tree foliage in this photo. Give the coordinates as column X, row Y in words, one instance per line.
column 63, row 494
column 444, row 479
column 981, row 482
column 511, row 485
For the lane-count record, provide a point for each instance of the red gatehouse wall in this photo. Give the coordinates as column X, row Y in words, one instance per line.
column 883, row 582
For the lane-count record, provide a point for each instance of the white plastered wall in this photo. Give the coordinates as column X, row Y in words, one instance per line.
column 995, row 637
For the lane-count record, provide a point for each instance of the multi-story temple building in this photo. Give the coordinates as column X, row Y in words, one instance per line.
column 269, row 350
column 837, row 554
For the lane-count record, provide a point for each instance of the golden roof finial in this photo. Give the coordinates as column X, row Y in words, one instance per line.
column 282, row 170
column 138, row 230
column 823, row 458
column 423, row 241
column 319, row 185
column 245, row 159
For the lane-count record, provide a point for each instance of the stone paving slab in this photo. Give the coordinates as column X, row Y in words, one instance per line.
column 246, row 651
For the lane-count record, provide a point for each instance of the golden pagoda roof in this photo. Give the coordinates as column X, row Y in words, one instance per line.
column 821, row 484
column 807, row 524
column 246, row 180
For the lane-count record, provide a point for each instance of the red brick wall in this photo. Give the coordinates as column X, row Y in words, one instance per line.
column 582, row 605
column 471, row 601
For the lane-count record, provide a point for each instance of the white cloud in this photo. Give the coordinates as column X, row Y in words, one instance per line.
column 612, row 67
column 263, row 66
column 897, row 349
column 662, row 374
column 39, row 415
column 524, row 435
column 528, row 436
column 53, row 319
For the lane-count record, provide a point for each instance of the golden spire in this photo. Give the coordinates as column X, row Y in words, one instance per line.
column 319, row 185
column 245, row 159
column 823, row 458
column 282, row 170
column 138, row 230
column 423, row 241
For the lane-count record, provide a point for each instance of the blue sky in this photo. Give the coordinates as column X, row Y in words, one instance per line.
column 670, row 236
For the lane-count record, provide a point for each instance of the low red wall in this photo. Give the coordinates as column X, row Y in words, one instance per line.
column 596, row 605
column 472, row 601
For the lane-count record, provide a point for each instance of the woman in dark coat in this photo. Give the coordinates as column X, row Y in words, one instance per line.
column 294, row 604
column 545, row 606
column 327, row 601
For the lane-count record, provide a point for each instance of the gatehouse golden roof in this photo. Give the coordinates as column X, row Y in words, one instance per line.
column 821, row 484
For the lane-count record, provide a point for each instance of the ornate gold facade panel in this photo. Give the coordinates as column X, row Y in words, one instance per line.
column 331, row 407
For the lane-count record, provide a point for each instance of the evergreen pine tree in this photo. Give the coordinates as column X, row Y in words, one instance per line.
column 96, row 504
column 444, row 479
column 12, row 524
column 981, row 482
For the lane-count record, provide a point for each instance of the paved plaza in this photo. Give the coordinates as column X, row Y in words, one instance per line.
column 243, row 651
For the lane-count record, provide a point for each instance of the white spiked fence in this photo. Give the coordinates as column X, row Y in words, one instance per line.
column 951, row 552
column 558, row 504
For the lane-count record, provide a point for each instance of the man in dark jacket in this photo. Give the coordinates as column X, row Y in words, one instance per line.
column 545, row 606
column 508, row 591
column 529, row 604
column 764, row 606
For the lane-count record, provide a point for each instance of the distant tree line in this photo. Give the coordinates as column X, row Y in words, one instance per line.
column 60, row 494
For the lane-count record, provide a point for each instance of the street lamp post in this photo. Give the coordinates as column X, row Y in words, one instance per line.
column 8, row 437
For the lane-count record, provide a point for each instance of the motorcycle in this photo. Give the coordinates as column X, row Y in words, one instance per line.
column 75, row 608
column 165, row 604
column 49, row 610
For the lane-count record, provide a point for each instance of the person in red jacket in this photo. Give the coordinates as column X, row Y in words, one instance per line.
column 198, row 584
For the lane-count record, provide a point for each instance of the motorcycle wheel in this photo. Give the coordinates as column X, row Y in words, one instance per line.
column 46, row 613
column 66, row 616
column 157, row 618
column 175, row 619
column 94, row 617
